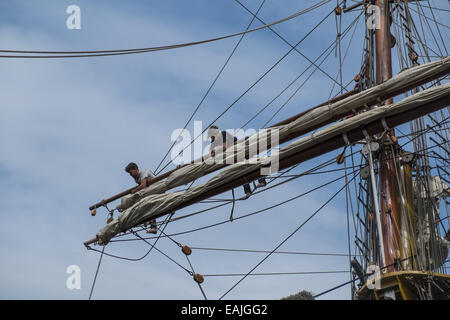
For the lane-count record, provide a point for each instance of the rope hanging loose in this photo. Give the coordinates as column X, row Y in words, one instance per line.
column 96, row 273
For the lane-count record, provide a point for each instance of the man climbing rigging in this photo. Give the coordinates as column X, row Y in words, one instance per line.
column 217, row 139
column 140, row 178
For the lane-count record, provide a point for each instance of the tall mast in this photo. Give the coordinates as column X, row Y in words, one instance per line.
column 389, row 191
column 383, row 44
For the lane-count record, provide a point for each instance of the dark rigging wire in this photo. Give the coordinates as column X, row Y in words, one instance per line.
column 211, row 86
column 81, row 54
column 255, row 15
column 273, row 273
column 292, row 82
column 252, row 213
column 96, row 273
column 309, row 171
column 277, row 252
column 288, row 237
column 254, row 84
column 353, row 280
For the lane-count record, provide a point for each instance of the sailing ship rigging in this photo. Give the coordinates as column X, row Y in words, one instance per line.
column 398, row 194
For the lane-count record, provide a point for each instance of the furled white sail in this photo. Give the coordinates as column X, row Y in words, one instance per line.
column 152, row 201
column 404, row 79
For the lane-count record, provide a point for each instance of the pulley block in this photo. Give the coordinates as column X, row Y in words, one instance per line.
column 186, row 250
column 198, row 278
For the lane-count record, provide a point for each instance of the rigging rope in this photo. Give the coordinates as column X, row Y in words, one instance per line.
column 244, row 216
column 137, row 235
column 211, row 86
column 311, row 171
column 255, row 15
column 98, row 53
column 335, row 42
column 193, row 271
column 345, row 56
column 326, row 163
column 277, row 252
column 272, row 273
column 251, row 87
column 441, row 9
column 429, row 27
column 153, row 246
column 365, row 275
column 286, row 239
column 96, row 273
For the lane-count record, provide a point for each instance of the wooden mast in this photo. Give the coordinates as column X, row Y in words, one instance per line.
column 388, row 187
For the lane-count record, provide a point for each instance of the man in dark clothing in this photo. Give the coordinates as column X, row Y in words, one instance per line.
column 214, row 132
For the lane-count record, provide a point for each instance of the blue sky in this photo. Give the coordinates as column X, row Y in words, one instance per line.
column 68, row 127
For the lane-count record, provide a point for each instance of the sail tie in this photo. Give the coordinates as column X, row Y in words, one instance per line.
column 232, row 208
column 345, row 137
column 384, row 123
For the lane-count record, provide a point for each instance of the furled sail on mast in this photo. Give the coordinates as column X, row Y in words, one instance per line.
column 309, row 120
column 156, row 205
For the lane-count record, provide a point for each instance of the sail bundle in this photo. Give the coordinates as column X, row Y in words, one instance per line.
column 152, row 202
column 308, row 121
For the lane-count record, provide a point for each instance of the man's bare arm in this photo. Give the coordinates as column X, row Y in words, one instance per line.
column 141, row 186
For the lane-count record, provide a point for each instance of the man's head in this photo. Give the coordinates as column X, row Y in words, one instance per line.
column 213, row 131
column 132, row 169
